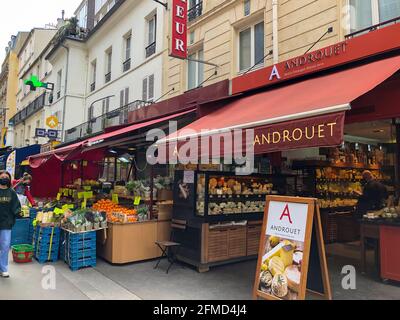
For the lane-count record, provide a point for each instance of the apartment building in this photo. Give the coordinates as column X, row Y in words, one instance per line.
column 9, row 85
column 30, row 104
column 115, row 68
column 238, row 36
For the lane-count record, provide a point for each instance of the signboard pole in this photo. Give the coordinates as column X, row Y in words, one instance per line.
column 292, row 258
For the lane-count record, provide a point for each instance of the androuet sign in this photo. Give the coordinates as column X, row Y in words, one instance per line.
column 320, row 131
column 351, row 50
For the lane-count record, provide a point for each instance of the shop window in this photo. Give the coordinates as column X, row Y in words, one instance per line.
column 251, row 46
column 195, row 70
column 366, row 13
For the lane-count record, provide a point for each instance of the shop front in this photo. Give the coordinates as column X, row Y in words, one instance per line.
column 317, row 136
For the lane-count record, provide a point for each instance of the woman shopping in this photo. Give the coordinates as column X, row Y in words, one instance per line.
column 10, row 209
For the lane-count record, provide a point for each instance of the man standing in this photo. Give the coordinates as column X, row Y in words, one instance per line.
column 373, row 196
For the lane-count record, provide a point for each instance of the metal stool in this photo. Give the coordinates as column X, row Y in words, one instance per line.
column 167, row 248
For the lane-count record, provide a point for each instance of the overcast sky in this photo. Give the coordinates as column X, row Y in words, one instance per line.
column 23, row 15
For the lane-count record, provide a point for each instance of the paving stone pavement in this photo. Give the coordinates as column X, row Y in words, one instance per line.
column 141, row 281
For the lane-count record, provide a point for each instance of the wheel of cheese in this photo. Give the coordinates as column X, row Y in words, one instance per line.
column 276, row 266
column 293, row 276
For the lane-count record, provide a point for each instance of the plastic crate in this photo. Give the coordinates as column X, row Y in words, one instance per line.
column 20, row 232
column 46, row 242
column 78, row 250
column 82, row 263
column 22, row 253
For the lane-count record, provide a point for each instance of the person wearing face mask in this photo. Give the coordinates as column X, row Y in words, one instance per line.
column 10, row 209
column 22, row 187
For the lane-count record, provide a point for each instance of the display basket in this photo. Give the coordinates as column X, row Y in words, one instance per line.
column 22, row 253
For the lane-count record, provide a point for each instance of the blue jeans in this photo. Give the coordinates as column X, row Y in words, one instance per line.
column 5, row 242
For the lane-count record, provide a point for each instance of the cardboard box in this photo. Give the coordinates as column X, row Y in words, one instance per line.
column 165, row 211
column 164, row 195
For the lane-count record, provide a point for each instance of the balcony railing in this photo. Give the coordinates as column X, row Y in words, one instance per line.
column 30, row 109
column 93, row 87
column 195, row 12
column 151, row 49
column 107, row 77
column 373, row 28
column 126, row 65
column 98, row 124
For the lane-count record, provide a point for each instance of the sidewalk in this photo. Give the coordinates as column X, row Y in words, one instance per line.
column 141, row 281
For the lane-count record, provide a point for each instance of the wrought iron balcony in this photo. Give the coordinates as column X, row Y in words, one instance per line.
column 195, row 12
column 93, row 87
column 30, row 109
column 373, row 28
column 126, row 65
column 98, row 124
column 107, row 77
column 151, row 49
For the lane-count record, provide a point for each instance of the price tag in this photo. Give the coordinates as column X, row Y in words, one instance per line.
column 88, row 194
column 65, row 207
column 58, row 196
column 115, row 198
column 71, row 206
column 71, row 192
column 81, row 195
column 137, row 201
column 83, row 205
column 66, row 192
column 87, row 188
column 58, row 211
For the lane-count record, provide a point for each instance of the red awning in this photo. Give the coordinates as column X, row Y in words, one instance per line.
column 120, row 132
column 275, row 114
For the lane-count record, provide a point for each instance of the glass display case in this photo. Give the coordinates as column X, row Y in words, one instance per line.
column 226, row 196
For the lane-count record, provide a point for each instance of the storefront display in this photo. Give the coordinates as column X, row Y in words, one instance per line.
column 218, row 214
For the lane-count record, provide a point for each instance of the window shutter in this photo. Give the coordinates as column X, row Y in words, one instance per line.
column 151, row 87
column 144, row 96
column 121, row 98
column 126, row 96
column 90, row 115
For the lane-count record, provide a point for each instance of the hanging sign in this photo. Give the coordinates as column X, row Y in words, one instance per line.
column 292, row 252
column 179, row 29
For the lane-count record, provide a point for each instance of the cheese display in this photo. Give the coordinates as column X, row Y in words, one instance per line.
column 220, row 194
column 282, row 261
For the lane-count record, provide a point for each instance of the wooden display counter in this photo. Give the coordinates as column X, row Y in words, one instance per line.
column 204, row 246
column 127, row 243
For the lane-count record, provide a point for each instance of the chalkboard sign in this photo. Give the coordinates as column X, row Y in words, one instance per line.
column 292, row 256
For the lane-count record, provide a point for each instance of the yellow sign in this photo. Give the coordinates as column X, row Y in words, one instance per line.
column 115, row 198
column 87, row 188
column 81, row 195
column 52, row 122
column 58, row 196
column 88, row 195
column 83, row 205
column 137, row 201
column 3, row 137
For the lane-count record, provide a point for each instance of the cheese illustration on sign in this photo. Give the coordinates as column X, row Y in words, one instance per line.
column 283, row 254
